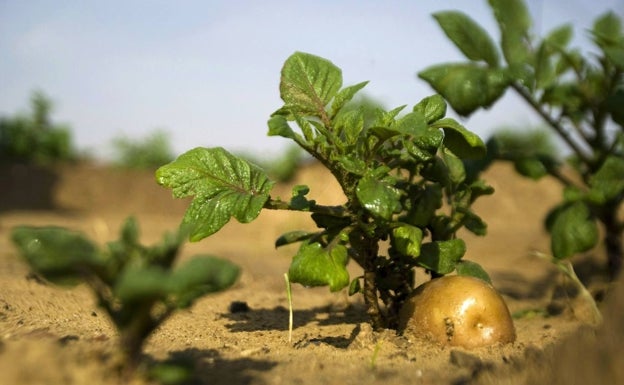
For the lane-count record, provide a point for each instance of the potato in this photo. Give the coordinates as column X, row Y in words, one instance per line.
column 457, row 311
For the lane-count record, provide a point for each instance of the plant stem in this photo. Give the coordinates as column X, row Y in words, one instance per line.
column 335, row 211
column 553, row 123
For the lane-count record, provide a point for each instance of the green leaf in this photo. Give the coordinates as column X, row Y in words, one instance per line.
column 407, row 239
column 530, row 167
column 344, row 96
column 441, row 256
column 472, row 269
column 293, row 236
column 607, row 29
column 474, row 223
column 432, row 108
column 298, row 201
column 466, row 86
column 308, row 83
column 317, row 266
column 278, row 126
column 514, row 22
column 560, row 37
column 350, row 124
column 461, row 142
column 608, row 182
column 58, row 254
column 424, row 205
column 199, row 276
column 223, row 185
column 468, row 36
column 572, row 230
column 141, row 284
column 355, row 286
column 456, row 170
column 378, row 197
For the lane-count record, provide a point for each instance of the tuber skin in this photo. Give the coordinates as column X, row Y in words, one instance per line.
column 457, row 311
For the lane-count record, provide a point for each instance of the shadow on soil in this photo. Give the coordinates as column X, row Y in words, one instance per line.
column 277, row 318
column 208, row 367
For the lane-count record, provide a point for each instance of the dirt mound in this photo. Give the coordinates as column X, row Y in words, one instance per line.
column 52, row 335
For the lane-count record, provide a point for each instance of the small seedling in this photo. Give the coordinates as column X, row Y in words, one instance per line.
column 402, row 175
column 137, row 286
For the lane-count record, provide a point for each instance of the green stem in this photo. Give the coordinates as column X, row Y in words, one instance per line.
column 553, row 123
column 335, row 211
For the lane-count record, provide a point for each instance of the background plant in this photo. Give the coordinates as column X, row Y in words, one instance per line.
column 149, row 152
column 33, row 137
column 402, row 175
column 581, row 99
column 137, row 286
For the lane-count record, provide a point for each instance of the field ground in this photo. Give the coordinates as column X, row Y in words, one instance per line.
column 50, row 335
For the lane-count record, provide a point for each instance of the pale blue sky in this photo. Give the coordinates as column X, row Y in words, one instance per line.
column 207, row 71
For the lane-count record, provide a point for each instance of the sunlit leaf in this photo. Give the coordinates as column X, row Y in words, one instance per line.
column 223, row 185
column 317, row 266
column 441, row 256
column 432, row 108
column 461, row 141
column 407, row 239
column 378, row 197
column 344, row 96
column 308, row 83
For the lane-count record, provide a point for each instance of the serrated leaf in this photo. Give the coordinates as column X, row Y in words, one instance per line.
column 468, row 36
column 459, row 140
column 223, row 185
column 378, row 197
column 199, row 276
column 316, row 266
column 58, row 254
column 441, row 256
column 466, row 86
column 472, row 269
column 308, row 83
column 407, row 239
column 572, row 230
column 344, row 96
column 432, row 108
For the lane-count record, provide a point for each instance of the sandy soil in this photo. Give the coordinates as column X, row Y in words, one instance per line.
column 51, row 335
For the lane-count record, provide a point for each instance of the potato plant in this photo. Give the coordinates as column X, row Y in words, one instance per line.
column 137, row 286
column 581, row 100
column 401, row 172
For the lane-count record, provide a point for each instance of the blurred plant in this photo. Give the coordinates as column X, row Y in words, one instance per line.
column 581, row 99
column 33, row 137
column 147, row 153
column 137, row 286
